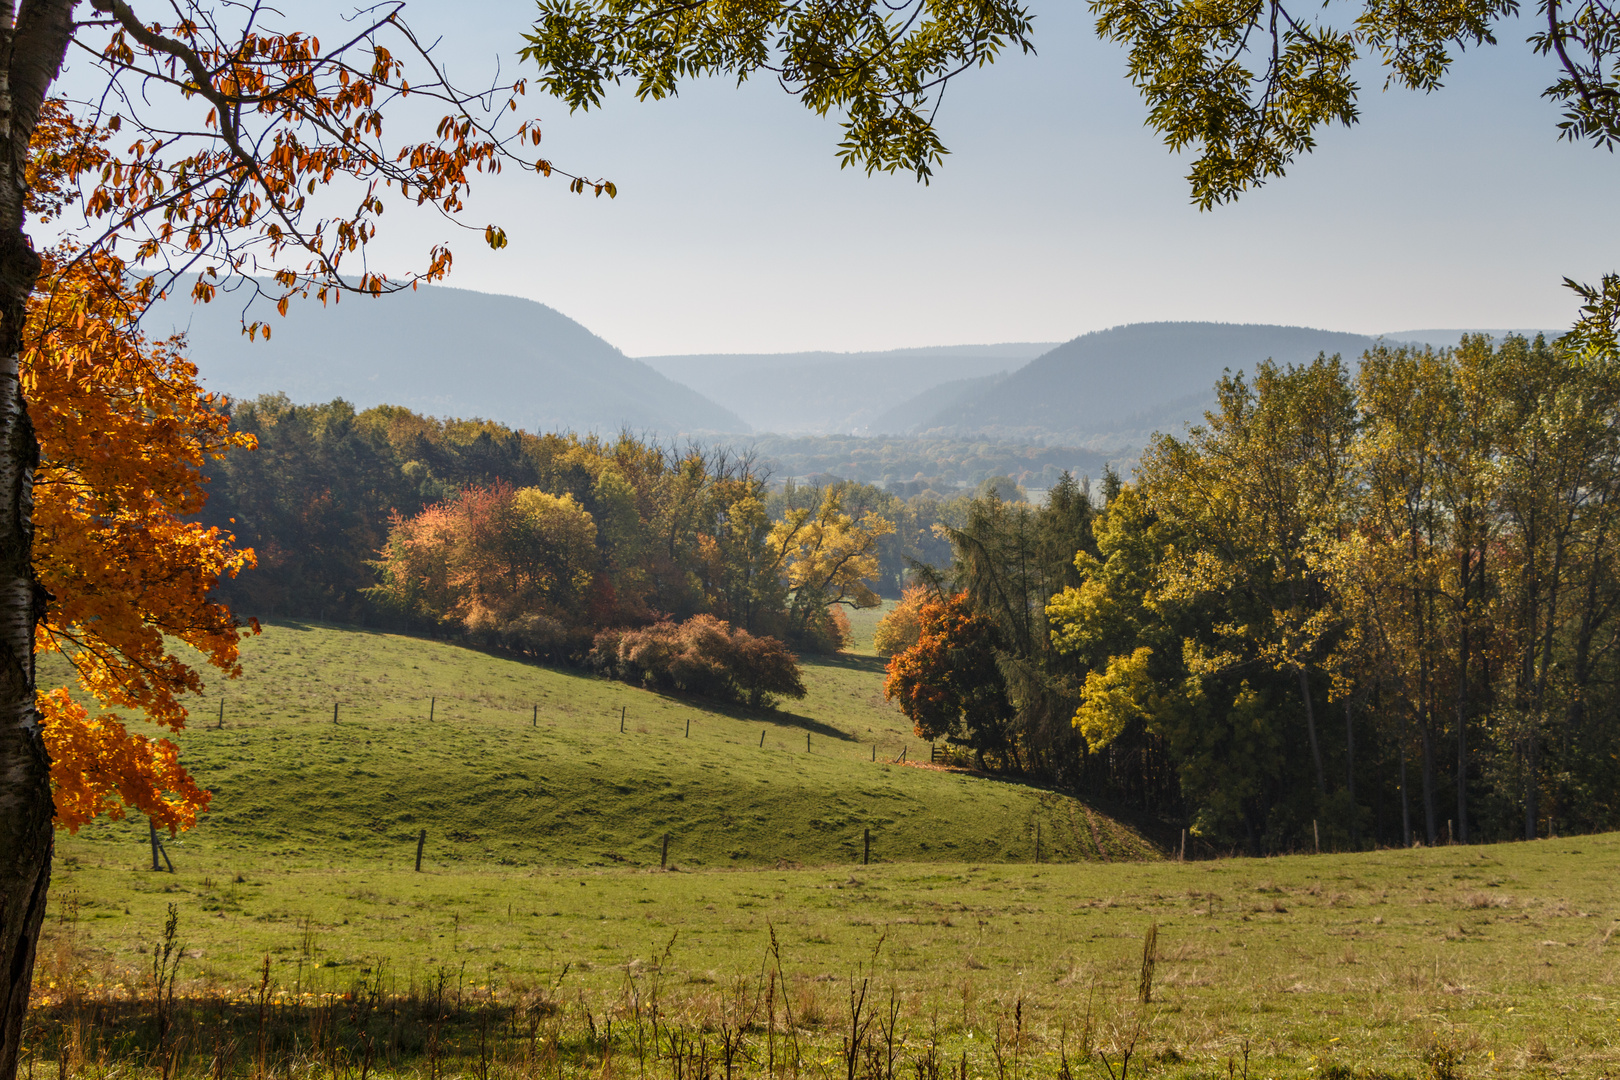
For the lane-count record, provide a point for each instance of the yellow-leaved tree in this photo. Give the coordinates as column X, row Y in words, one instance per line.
column 828, row 558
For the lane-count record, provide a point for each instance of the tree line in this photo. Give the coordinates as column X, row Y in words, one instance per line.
column 1376, row 604
column 539, row 543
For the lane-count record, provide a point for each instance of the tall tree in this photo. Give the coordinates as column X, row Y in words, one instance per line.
column 245, row 123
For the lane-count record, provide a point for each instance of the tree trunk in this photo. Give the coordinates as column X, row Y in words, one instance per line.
column 1310, row 729
column 1350, row 767
column 32, row 44
column 1406, row 805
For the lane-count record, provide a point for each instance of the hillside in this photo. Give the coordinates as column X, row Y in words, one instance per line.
column 834, row 393
column 443, row 352
column 524, row 765
column 1114, row 388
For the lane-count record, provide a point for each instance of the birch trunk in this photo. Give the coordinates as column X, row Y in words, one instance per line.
column 33, row 39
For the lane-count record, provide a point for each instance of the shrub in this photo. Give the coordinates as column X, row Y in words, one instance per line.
column 702, row 655
column 899, row 629
column 824, row 631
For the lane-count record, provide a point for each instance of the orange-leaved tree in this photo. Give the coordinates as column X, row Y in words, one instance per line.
column 241, row 150
column 949, row 684
column 124, row 434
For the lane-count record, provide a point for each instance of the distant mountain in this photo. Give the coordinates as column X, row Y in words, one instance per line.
column 1114, row 388
column 914, row 413
column 834, row 393
column 444, row 352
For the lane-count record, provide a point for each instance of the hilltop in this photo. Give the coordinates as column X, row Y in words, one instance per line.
column 1115, row 388
column 442, row 352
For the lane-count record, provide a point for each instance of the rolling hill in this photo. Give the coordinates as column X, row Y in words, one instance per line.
column 829, row 393
column 509, row 763
column 443, row 352
column 1114, row 388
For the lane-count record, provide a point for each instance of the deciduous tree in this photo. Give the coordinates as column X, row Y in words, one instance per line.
column 226, row 129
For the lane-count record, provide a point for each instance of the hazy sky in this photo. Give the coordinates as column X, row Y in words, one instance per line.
column 1057, row 213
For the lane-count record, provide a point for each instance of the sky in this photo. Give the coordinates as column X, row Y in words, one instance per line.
column 1058, row 211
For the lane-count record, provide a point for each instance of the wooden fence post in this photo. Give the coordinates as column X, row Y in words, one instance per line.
column 807, row 742
column 421, row 841
column 688, row 727
column 762, row 738
column 151, row 833
column 621, row 719
column 432, row 703
column 866, row 848
column 663, row 860
column 874, row 751
column 221, row 714
column 1317, row 835
column 536, row 720
column 334, row 712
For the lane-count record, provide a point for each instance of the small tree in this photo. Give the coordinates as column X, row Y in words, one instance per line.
column 949, row 684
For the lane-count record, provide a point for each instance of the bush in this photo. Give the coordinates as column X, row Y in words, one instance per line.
column 898, row 630
column 824, row 632
column 702, row 655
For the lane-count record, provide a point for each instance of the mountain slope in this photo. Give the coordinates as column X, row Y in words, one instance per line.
column 913, row 413
column 1114, row 388
column 833, row 393
column 445, row 352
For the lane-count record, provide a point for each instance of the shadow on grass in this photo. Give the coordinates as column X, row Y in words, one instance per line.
column 872, row 665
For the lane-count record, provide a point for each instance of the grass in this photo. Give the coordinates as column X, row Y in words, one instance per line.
column 1505, row 955
column 513, row 764
column 541, row 940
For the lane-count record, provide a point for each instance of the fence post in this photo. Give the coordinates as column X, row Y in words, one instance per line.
column 688, row 727
column 334, row 712
column 663, row 860
column 1037, row 843
column 221, row 714
column 1317, row 835
column 432, row 703
column 874, row 751
column 762, row 738
column 621, row 719
column 866, row 848
column 421, row 841
column 151, row 834
column 807, row 742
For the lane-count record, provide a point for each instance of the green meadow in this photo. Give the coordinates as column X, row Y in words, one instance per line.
column 542, row 938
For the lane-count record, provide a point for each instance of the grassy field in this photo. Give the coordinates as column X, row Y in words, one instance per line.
column 541, row 939
column 1447, row 962
column 512, row 764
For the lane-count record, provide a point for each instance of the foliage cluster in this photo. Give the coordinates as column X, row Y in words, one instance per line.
column 702, row 655
column 678, row 531
column 1345, row 595
column 985, row 613
column 1349, row 593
